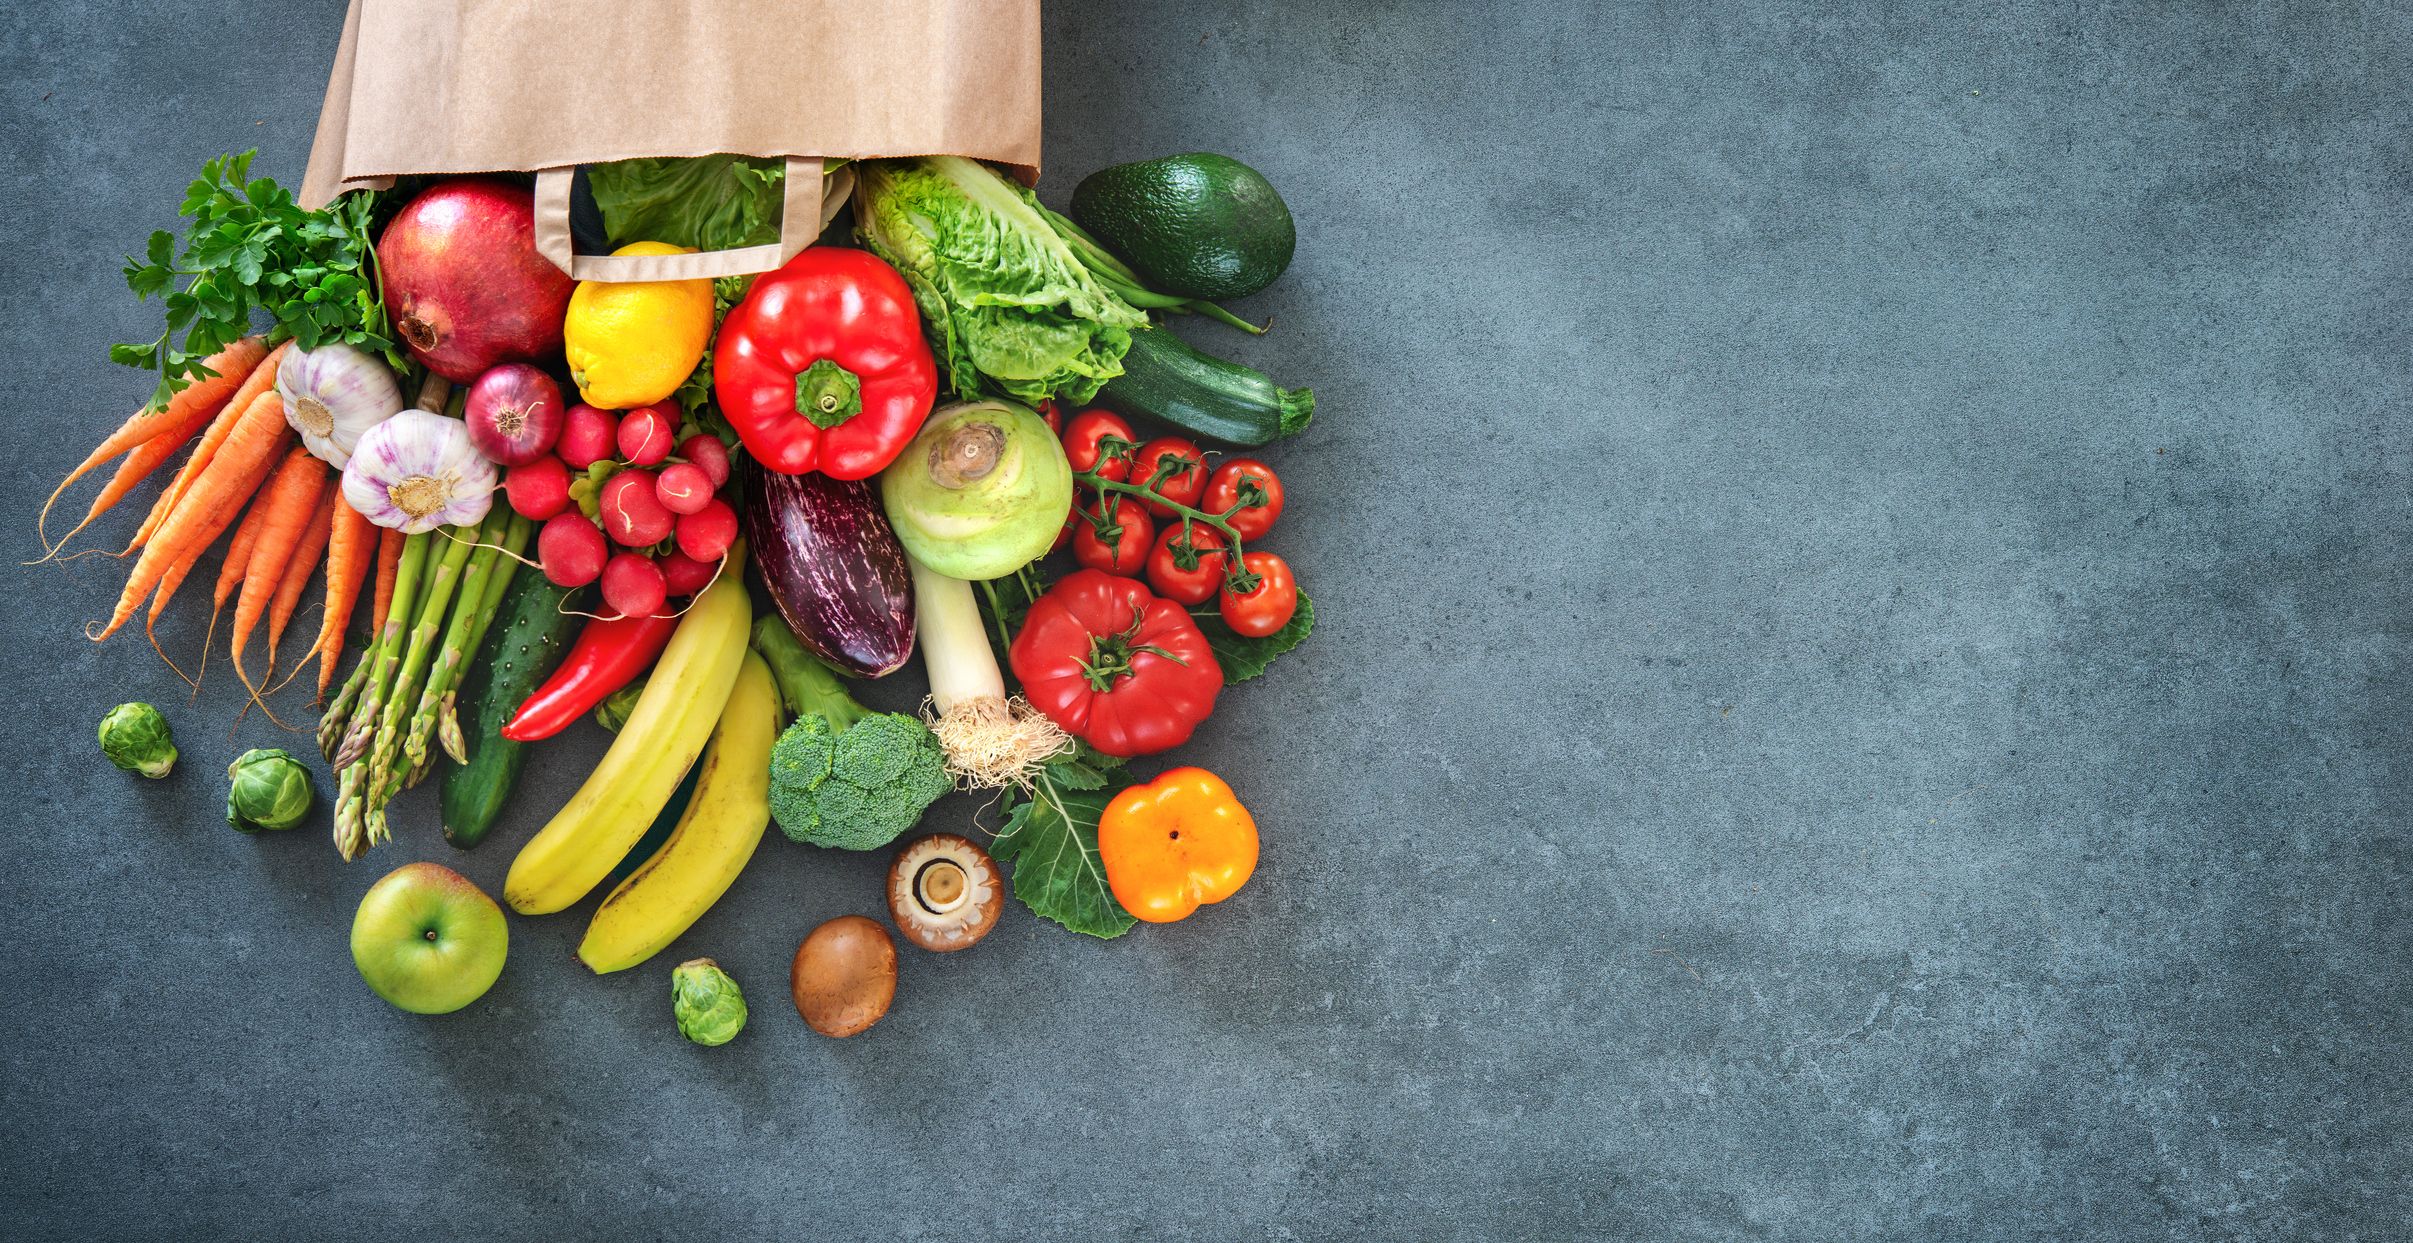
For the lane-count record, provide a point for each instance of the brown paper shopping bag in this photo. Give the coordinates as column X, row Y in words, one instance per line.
column 543, row 86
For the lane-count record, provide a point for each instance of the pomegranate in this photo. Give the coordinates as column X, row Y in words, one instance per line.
column 464, row 283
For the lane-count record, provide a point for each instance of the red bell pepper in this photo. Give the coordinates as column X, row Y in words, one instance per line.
column 823, row 366
column 1116, row 666
column 608, row 655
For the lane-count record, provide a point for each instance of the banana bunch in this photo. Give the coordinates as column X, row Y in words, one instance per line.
column 723, row 824
column 683, row 698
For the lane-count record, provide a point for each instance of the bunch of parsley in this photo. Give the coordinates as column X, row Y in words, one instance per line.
column 251, row 251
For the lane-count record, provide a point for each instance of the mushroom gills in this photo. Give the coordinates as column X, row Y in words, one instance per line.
column 944, row 892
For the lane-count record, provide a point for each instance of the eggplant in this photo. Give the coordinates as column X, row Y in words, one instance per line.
column 833, row 566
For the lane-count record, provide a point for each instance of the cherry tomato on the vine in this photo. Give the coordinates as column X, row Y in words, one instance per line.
column 1122, row 551
column 1081, row 437
column 1230, row 486
column 1182, row 482
column 1204, row 550
column 1268, row 603
column 1054, row 418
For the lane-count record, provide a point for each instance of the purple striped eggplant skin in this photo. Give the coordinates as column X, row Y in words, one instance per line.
column 833, row 566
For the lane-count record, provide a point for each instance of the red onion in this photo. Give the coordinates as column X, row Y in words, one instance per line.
column 514, row 414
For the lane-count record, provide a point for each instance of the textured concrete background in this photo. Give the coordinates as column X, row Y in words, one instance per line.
column 1860, row 691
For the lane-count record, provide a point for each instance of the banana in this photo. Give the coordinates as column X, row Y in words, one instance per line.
column 723, row 824
column 682, row 699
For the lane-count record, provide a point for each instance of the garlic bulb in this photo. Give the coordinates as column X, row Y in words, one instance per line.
column 333, row 395
column 417, row 471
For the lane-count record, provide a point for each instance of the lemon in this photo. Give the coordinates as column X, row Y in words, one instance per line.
column 632, row 343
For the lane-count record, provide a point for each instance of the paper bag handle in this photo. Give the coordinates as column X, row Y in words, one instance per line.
column 799, row 223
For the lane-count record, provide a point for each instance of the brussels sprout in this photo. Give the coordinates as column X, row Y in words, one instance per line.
column 613, row 712
column 135, row 738
column 268, row 789
column 709, row 1007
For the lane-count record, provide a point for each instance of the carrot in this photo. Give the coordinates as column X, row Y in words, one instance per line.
column 192, row 404
column 351, row 547
column 230, row 575
column 300, row 566
column 168, row 584
column 209, row 505
column 262, row 379
column 289, row 496
column 138, row 466
column 389, row 557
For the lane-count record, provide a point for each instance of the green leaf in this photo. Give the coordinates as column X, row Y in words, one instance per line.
column 1051, row 841
column 712, row 202
column 1242, row 657
column 1072, row 774
column 250, row 253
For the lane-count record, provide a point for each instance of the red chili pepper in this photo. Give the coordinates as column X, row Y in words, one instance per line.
column 608, row 655
column 823, row 366
column 1117, row 667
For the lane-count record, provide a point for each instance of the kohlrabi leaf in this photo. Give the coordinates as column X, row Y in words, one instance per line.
column 1050, row 840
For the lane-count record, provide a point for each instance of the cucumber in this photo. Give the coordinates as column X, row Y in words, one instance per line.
column 1163, row 378
column 513, row 661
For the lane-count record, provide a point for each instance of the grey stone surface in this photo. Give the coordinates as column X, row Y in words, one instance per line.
column 1860, row 690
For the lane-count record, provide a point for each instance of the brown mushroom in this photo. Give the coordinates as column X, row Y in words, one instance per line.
column 844, row 975
column 944, row 892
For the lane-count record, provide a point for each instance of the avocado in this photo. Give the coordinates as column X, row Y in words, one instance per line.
column 1198, row 225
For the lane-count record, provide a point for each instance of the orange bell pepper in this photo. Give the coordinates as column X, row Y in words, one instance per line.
column 1176, row 843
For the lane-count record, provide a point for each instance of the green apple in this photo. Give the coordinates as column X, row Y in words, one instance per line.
column 428, row 940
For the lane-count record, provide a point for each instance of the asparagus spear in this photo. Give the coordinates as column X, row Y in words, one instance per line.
column 481, row 594
column 388, row 648
column 418, row 647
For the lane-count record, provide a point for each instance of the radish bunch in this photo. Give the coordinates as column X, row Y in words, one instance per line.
column 657, row 530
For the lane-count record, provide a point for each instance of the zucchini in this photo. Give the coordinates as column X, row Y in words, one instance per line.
column 1164, row 379
column 510, row 664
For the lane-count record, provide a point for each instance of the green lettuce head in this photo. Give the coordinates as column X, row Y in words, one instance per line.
column 268, row 789
column 1001, row 294
column 135, row 738
column 709, row 1007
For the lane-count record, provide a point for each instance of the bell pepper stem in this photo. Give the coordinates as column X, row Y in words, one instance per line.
column 828, row 394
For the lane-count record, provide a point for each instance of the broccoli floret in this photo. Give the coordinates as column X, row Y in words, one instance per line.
column 857, row 788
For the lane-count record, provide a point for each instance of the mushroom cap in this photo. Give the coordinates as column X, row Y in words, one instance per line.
column 844, row 975
column 944, row 892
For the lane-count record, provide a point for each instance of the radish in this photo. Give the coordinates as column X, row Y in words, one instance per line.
column 514, row 414
column 631, row 513
column 632, row 585
column 683, row 487
column 708, row 532
column 683, row 575
column 705, row 450
column 571, row 550
column 586, row 436
column 539, row 489
column 646, row 434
